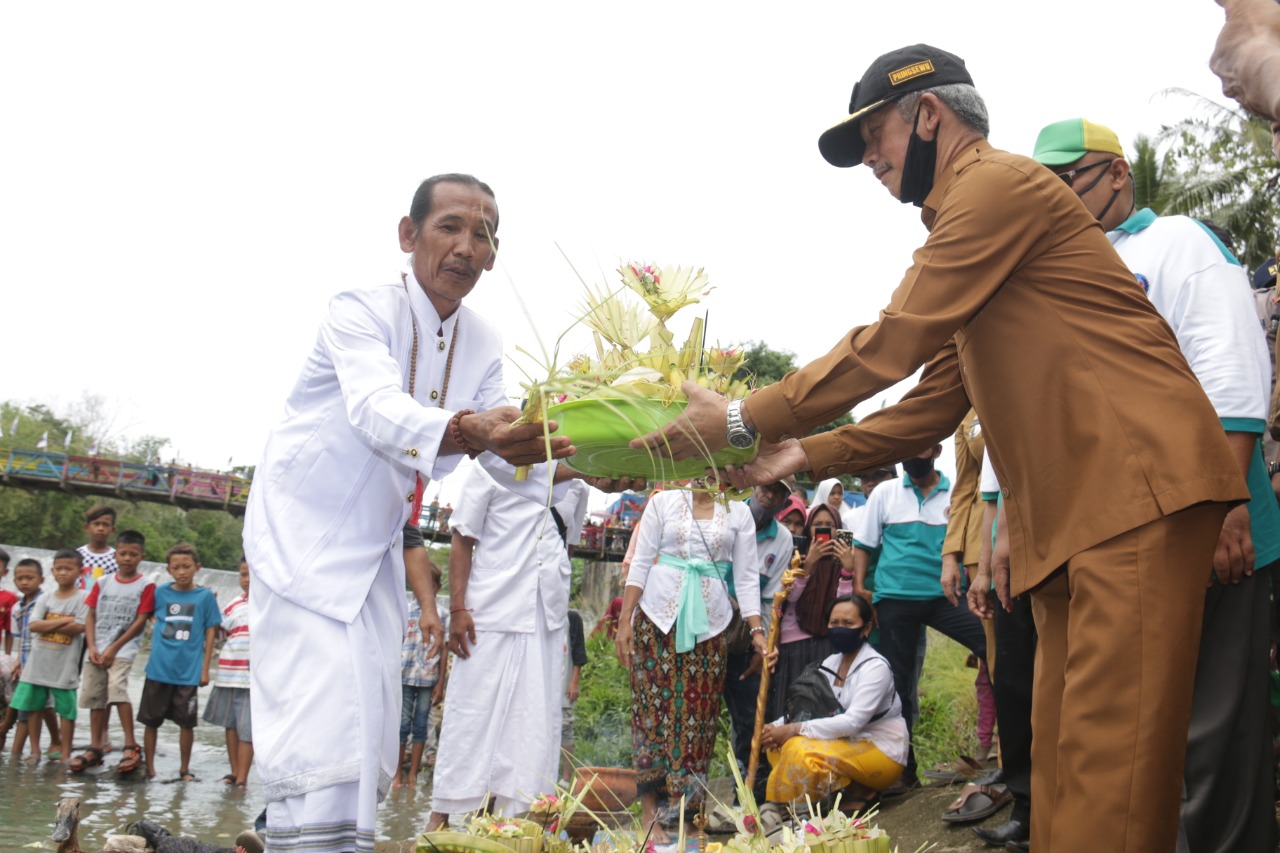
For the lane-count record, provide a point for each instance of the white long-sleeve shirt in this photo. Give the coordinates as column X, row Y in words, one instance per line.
column 337, row 478
column 668, row 527
column 867, row 690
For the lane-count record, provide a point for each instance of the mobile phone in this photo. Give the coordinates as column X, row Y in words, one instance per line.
column 801, row 543
column 845, row 536
column 821, row 534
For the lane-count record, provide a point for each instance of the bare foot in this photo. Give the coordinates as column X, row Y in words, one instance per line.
column 437, row 820
column 396, row 782
column 657, row 834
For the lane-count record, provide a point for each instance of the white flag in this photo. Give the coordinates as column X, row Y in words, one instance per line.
column 13, row 427
column 93, row 449
column 43, row 443
column 66, row 442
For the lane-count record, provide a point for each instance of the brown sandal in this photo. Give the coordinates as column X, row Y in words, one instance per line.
column 91, row 757
column 130, row 759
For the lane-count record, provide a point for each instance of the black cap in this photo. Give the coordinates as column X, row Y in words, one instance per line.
column 1265, row 275
column 898, row 73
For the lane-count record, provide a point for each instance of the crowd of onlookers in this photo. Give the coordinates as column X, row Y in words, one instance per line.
column 72, row 648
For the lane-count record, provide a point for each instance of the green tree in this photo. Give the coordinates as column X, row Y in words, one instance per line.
column 1219, row 165
column 53, row 519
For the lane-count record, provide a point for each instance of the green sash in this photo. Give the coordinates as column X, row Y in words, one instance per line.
column 691, row 619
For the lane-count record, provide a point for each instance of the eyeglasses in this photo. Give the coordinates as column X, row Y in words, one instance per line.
column 1070, row 177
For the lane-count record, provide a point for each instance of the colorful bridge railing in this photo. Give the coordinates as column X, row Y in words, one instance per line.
column 189, row 488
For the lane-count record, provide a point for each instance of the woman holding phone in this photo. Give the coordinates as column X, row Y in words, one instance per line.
column 828, row 567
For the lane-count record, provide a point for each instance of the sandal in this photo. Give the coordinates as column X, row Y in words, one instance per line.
column 855, row 806
column 130, row 759
column 229, row 779
column 91, row 757
column 977, row 802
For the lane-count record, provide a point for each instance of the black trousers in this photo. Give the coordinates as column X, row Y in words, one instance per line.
column 900, row 622
column 1014, row 676
column 1228, row 793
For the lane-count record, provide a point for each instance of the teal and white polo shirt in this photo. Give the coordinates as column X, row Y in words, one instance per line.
column 909, row 531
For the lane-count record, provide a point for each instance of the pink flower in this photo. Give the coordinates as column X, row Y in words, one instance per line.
column 749, row 822
column 808, row 827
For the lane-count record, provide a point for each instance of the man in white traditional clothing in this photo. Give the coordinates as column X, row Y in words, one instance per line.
column 403, row 380
column 509, row 602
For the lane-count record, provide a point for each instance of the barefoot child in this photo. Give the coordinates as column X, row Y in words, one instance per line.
column 421, row 688
column 187, row 620
column 28, row 575
column 229, row 702
column 119, row 606
column 53, row 666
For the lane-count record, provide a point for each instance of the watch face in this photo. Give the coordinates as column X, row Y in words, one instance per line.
column 741, row 440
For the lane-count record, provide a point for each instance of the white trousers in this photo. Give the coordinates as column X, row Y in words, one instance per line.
column 501, row 729
column 325, row 701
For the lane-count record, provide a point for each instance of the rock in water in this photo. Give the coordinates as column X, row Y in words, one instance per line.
column 165, row 842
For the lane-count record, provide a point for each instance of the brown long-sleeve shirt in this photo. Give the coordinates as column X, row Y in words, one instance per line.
column 964, row 526
column 1023, row 310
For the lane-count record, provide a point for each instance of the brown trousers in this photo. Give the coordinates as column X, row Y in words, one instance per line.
column 1119, row 630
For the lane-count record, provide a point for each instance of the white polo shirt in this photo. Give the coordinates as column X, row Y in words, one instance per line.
column 909, row 531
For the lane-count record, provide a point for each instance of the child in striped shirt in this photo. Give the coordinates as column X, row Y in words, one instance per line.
column 228, row 704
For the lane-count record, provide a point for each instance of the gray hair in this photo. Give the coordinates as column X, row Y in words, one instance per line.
column 961, row 98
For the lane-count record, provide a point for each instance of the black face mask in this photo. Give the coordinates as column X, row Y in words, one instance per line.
column 847, row 641
column 761, row 513
column 918, row 469
column 918, row 167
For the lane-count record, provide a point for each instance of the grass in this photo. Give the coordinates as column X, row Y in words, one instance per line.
column 948, row 705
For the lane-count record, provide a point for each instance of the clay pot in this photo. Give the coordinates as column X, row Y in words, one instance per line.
column 604, row 789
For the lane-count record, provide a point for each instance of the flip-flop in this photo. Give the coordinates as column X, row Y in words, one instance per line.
column 977, row 802
column 229, row 779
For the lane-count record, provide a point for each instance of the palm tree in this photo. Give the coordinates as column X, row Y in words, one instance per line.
column 1218, row 165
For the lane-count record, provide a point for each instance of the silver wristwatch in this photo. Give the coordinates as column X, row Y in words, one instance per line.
column 741, row 436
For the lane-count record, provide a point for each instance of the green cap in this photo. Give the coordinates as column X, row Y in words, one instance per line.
column 1067, row 141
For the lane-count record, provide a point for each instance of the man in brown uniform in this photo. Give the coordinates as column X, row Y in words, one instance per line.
column 1116, row 473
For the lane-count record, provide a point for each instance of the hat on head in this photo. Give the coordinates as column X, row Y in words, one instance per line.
column 794, row 504
column 897, row 73
column 1265, row 275
column 1067, row 141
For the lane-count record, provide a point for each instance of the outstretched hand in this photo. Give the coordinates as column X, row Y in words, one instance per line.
column 702, row 430
column 519, row 444
column 773, row 462
column 614, row 484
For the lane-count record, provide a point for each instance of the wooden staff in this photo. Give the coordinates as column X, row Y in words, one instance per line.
column 789, row 577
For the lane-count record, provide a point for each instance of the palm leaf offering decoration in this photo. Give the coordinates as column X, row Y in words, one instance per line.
column 631, row 384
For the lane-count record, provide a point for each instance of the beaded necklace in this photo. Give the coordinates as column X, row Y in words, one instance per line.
column 413, row 354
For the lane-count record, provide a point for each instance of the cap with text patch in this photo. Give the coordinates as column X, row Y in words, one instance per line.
column 897, row 73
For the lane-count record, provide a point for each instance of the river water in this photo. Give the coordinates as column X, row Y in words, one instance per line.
column 206, row 809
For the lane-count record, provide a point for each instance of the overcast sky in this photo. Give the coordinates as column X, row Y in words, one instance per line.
column 183, row 187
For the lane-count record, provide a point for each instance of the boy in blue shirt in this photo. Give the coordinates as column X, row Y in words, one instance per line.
column 187, row 619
